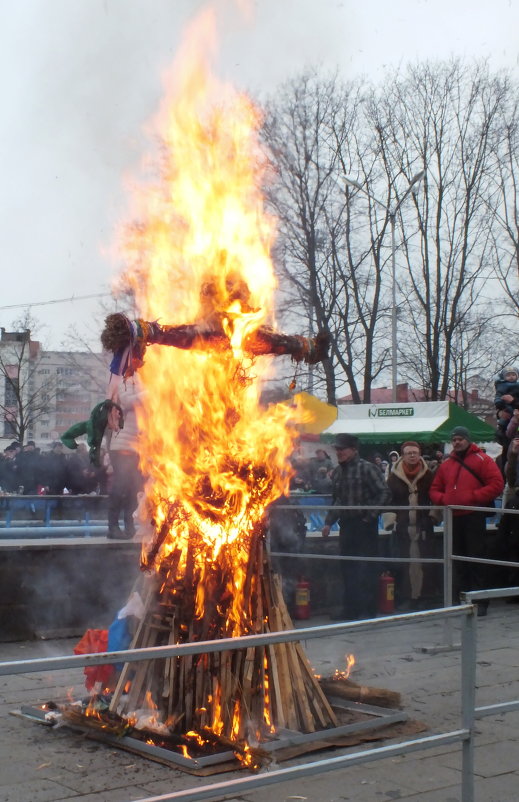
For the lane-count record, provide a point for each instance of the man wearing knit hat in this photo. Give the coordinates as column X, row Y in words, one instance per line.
column 356, row 482
column 468, row 478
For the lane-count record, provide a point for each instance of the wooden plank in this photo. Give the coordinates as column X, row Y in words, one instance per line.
column 285, row 715
column 276, row 699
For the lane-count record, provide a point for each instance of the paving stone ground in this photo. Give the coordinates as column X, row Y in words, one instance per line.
column 39, row 764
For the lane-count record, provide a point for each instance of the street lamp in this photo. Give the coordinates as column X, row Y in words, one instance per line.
column 392, row 212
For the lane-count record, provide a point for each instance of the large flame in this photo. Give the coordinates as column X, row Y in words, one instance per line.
column 200, row 252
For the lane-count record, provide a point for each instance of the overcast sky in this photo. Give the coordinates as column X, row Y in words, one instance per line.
column 80, row 79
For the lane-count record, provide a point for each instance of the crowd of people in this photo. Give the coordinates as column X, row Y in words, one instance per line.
column 467, row 477
column 406, row 478
column 314, row 474
column 27, row 470
column 114, row 470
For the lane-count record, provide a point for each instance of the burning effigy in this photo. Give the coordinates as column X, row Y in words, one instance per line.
column 198, row 267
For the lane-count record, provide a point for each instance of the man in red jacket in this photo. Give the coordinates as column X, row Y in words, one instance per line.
column 469, row 477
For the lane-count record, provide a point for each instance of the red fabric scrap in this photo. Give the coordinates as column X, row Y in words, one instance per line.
column 93, row 642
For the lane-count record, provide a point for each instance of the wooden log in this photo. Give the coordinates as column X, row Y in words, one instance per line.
column 346, row 689
column 294, row 683
column 322, row 711
column 287, row 713
column 258, row 687
column 318, row 699
column 140, row 675
column 254, row 566
column 299, row 693
column 261, row 756
column 247, row 681
column 273, row 684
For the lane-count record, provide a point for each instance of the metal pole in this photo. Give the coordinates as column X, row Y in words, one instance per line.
column 394, row 379
column 447, row 572
column 468, row 702
column 447, row 557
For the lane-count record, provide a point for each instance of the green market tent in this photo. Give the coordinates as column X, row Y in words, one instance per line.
column 426, row 422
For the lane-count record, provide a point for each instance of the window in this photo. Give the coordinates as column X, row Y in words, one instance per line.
column 11, row 392
column 44, row 436
column 9, row 430
column 44, row 371
column 65, row 371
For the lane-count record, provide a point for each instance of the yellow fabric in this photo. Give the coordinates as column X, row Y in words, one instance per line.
column 316, row 415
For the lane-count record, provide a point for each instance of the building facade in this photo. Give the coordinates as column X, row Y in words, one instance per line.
column 46, row 391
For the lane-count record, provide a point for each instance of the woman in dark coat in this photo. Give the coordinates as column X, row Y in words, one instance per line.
column 409, row 481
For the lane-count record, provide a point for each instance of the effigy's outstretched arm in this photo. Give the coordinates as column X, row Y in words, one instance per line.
column 127, row 339
column 260, row 342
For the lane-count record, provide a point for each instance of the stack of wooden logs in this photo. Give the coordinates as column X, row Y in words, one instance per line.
column 236, row 694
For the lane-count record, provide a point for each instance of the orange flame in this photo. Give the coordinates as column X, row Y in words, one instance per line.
column 350, row 662
column 215, row 458
column 201, row 253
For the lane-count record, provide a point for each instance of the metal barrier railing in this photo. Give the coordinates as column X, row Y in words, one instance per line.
column 464, row 734
column 469, row 711
column 46, row 515
column 446, row 560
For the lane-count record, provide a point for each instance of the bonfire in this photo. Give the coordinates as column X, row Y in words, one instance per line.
column 199, row 268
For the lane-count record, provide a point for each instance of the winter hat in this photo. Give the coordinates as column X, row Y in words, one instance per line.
column 346, row 441
column 411, row 443
column 461, row 431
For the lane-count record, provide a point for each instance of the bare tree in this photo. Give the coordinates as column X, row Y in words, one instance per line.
column 504, row 204
column 479, row 346
column 22, row 400
column 312, row 129
column 444, row 118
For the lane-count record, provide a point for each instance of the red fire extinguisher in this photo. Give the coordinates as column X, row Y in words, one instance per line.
column 302, row 605
column 386, row 593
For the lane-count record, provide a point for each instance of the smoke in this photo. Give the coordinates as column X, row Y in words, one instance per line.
column 62, row 591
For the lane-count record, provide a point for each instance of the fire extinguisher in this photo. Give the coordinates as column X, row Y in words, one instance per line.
column 302, row 605
column 386, row 593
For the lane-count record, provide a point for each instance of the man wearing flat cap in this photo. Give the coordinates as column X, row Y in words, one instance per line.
column 469, row 478
column 357, row 483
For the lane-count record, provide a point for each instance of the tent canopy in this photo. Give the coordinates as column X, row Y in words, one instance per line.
column 426, row 422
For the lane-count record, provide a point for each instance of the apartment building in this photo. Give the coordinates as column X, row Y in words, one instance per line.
column 50, row 390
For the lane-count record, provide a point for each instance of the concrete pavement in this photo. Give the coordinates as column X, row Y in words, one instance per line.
column 40, row 764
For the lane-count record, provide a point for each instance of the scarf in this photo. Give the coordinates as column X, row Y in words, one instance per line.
column 411, row 473
column 411, row 476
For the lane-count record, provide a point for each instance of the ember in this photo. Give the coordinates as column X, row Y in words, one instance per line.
column 215, row 458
